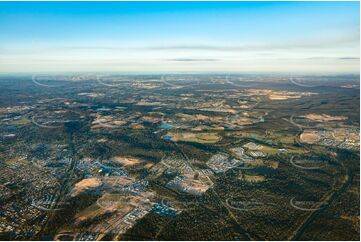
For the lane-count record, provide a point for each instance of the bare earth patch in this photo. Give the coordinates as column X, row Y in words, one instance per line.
column 309, row 137
column 86, row 184
column 324, row 117
column 253, row 178
column 127, row 161
column 206, row 137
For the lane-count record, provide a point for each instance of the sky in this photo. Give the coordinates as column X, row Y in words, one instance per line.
column 149, row 37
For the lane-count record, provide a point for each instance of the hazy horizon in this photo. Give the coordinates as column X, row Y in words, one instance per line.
column 174, row 37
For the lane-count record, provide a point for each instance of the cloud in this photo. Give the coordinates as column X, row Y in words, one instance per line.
column 193, row 59
column 321, row 43
column 349, row 58
column 326, row 58
column 332, row 58
column 299, row 44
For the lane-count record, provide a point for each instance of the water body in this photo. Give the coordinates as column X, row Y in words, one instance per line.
column 103, row 109
column 166, row 126
column 167, row 137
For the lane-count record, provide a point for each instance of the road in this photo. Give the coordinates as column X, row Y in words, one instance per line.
column 61, row 194
column 324, row 204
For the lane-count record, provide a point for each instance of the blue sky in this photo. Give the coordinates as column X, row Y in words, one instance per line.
column 320, row 37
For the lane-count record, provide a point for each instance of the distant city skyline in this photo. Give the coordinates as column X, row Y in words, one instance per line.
column 285, row 37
